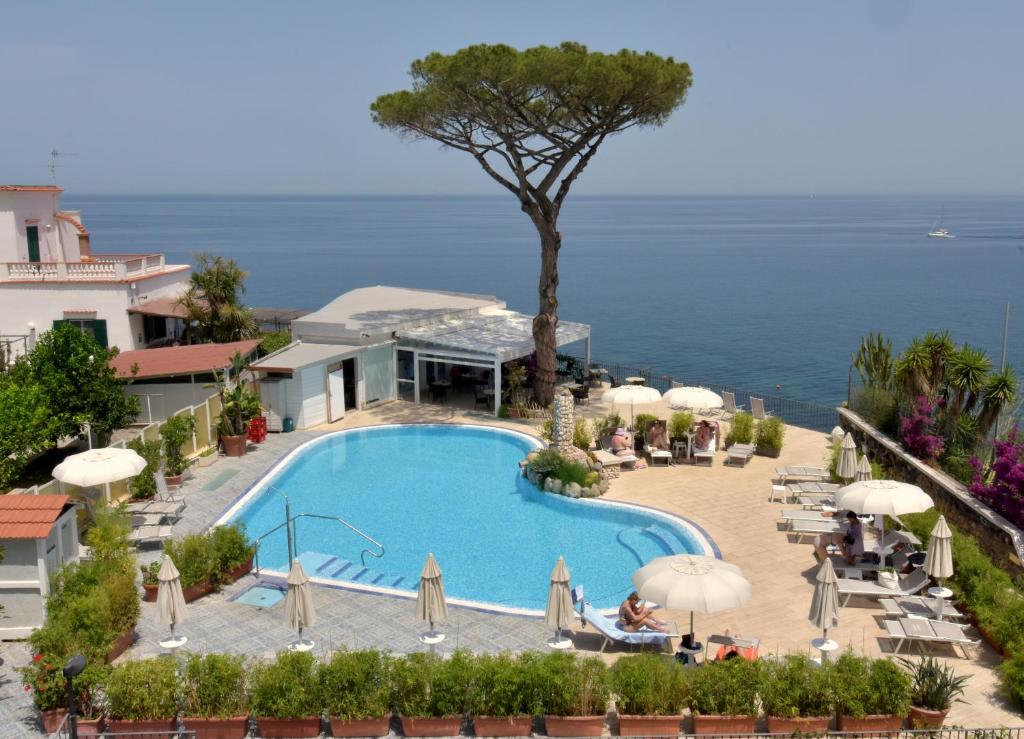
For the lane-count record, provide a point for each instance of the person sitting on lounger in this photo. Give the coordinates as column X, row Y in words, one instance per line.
column 850, row 540
column 636, row 615
column 657, row 436
column 622, row 445
column 702, row 440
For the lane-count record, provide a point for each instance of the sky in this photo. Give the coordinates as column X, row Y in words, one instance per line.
column 802, row 97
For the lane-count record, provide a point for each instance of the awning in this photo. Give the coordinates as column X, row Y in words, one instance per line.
column 301, row 354
column 166, row 307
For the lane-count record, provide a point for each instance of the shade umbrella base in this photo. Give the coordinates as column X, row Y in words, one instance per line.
column 302, row 645
column 173, row 642
column 431, row 637
column 560, row 643
column 825, row 646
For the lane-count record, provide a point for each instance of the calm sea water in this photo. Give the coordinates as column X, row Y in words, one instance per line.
column 748, row 291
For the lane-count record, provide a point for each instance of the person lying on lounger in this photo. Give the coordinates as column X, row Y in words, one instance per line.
column 636, row 615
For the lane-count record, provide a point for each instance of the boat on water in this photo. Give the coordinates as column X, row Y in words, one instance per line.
column 940, row 231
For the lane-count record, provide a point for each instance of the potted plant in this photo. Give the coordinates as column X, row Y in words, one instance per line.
column 44, row 678
column 142, row 695
column 798, row 696
column 723, row 697
column 770, row 432
column 214, row 696
column 679, row 425
column 515, row 379
column 234, row 552
column 357, row 690
column 207, row 457
column 143, row 485
column 933, row 688
column 502, row 696
column 430, row 693
column 650, row 692
column 197, row 564
column 285, row 696
column 873, row 695
column 175, row 432
column 238, row 406
column 640, row 424
column 741, row 430
column 574, row 694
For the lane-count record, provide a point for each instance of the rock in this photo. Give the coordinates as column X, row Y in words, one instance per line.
column 573, row 490
column 556, row 486
column 597, row 466
column 548, row 484
column 603, row 486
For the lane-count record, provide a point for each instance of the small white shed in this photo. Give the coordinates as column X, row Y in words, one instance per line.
column 39, row 534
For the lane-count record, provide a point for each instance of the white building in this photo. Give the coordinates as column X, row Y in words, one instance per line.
column 375, row 344
column 49, row 274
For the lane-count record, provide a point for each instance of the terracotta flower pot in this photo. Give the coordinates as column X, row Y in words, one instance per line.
column 51, row 719
column 925, row 718
column 798, row 724
column 870, row 724
column 234, row 446
column 502, row 726
column 149, row 593
column 649, row 725
column 218, row 728
column 289, row 728
column 121, row 644
column 174, row 480
column 195, row 591
column 241, row 571
column 90, row 727
column 360, row 726
column 574, row 725
column 425, row 726
column 125, row 726
column 724, row 724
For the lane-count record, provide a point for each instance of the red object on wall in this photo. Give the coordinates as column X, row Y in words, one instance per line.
column 258, row 429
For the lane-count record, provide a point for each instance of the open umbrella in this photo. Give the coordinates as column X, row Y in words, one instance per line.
column 559, row 612
column 825, row 604
column 938, row 561
column 847, row 467
column 298, row 605
column 688, row 582
column 863, row 469
column 170, row 602
column 431, row 605
column 693, row 398
column 631, row 396
column 99, row 466
column 882, row 498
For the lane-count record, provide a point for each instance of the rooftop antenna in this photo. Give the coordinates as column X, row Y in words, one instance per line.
column 54, row 156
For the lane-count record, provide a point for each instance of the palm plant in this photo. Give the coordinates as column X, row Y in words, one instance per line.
column 238, row 404
column 874, row 361
column 1000, row 392
column 212, row 303
column 966, row 374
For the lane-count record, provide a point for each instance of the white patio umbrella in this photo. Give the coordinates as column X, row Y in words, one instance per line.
column 863, row 469
column 938, row 561
column 631, row 396
column 170, row 602
column 688, row 582
column 847, row 467
column 882, row 498
column 693, row 398
column 559, row 612
column 824, row 611
column 431, row 605
column 99, row 466
column 298, row 605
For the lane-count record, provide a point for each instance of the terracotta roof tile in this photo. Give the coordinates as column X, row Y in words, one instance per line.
column 167, row 307
column 30, row 188
column 170, row 361
column 29, row 516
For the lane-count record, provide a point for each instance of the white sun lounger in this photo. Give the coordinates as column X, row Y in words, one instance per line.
column 915, row 605
column 912, row 584
column 802, row 514
column 908, row 630
column 613, row 463
column 816, row 473
column 149, row 535
column 740, row 454
column 609, row 629
column 808, row 528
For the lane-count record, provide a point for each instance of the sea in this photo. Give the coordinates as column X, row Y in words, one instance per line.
column 767, row 294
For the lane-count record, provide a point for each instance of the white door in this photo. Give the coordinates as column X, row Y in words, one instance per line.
column 336, row 394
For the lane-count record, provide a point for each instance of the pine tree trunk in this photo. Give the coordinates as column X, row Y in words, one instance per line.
column 546, row 320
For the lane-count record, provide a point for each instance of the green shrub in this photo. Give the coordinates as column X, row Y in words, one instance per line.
column 641, row 421
column 231, row 546
column 195, row 557
column 958, row 467
column 143, row 485
column 43, row 676
column 503, row 685
column 741, row 429
column 877, row 406
column 271, row 341
column 572, row 686
column 214, row 686
column 427, row 685
column 1011, row 680
column 286, row 687
column 679, row 424
column 571, row 471
column 547, row 429
column 851, row 674
column 868, row 687
column 795, row 687
column 934, row 685
column 356, row 685
column 582, row 436
column 107, row 538
column 649, row 685
column 725, row 688
column 545, row 462
column 175, row 432
column 144, row 689
column 770, row 433
column 606, row 426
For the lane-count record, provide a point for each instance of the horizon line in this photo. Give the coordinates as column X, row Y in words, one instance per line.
column 502, row 196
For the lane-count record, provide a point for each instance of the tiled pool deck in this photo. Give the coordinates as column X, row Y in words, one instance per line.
column 732, row 504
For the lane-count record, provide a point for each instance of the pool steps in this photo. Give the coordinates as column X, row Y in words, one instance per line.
column 330, row 566
column 651, row 541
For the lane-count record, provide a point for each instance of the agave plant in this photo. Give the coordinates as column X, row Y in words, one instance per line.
column 935, row 686
column 874, row 362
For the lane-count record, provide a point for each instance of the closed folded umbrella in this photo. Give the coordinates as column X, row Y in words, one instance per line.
column 631, row 396
column 825, row 603
column 431, row 605
column 863, row 469
column 693, row 398
column 847, row 467
column 170, row 601
column 559, row 612
column 938, row 561
column 298, row 605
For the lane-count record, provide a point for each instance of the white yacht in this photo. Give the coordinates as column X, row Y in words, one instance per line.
column 940, row 231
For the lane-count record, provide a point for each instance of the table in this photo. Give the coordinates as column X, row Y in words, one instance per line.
column 940, row 593
column 635, row 381
column 800, row 471
column 687, row 445
column 595, row 374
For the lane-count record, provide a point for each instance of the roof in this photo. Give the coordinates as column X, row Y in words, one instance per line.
column 30, row 188
column 71, row 218
column 30, row 516
column 282, row 315
column 168, row 307
column 301, row 354
column 373, row 313
column 170, row 361
column 503, row 334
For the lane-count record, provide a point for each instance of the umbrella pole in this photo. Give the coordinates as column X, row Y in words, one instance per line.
column 691, row 628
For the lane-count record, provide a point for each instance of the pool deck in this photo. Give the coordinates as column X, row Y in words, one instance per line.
column 730, row 503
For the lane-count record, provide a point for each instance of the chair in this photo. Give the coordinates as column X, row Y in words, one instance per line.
column 141, row 520
column 655, row 453
column 802, row 514
column 581, row 395
column 481, row 398
column 168, row 509
column 912, row 584
column 757, row 409
column 149, row 535
column 729, row 406
column 613, row 463
column 608, row 627
column 925, row 631
column 780, row 494
column 163, row 492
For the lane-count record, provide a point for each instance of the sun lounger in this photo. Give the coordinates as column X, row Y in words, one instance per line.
column 614, row 463
column 817, row 473
column 609, row 628
column 747, row 648
column 146, row 519
column 163, row 508
column 163, row 492
column 802, row 514
column 894, row 537
column 923, row 630
column 149, row 535
column 657, row 456
column 739, row 454
column 912, row 584
column 806, row 528
column 915, row 605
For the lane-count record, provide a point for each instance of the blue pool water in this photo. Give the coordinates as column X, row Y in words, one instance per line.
column 455, row 491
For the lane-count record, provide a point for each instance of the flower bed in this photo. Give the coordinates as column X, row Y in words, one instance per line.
column 206, row 562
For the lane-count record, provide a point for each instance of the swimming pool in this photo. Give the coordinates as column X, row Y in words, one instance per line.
column 455, row 491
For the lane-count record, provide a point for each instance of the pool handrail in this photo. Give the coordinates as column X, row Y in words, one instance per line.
column 293, row 537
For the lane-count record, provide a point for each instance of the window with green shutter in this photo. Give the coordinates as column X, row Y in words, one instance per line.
column 94, row 327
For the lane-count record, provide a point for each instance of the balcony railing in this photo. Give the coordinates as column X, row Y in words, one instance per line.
column 100, row 267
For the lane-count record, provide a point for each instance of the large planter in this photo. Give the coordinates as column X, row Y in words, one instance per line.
column 649, row 725
column 502, row 726
column 174, row 481
column 798, row 724
column 767, row 451
column 424, row 726
column 290, row 728
column 90, row 727
column 924, row 718
column 51, row 719
column 360, row 726
column 870, row 724
column 241, row 571
column 124, row 726
column 234, row 446
column 574, row 725
column 723, row 724
column 197, row 590
column 121, row 644
column 218, row 728
column 206, row 461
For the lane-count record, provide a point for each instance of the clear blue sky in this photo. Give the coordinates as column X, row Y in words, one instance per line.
column 887, row 96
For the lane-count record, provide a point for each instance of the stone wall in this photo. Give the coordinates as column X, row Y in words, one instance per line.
column 1003, row 541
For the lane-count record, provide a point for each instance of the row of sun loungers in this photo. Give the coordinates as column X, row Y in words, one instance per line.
column 150, row 518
